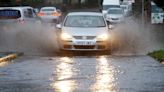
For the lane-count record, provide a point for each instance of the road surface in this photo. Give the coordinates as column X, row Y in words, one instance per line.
column 100, row 73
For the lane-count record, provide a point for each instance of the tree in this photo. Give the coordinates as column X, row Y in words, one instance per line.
column 5, row 2
column 160, row 3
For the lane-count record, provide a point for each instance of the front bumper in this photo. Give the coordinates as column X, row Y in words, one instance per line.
column 98, row 46
column 114, row 21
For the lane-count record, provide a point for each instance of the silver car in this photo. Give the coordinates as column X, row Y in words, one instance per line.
column 84, row 31
column 115, row 15
column 17, row 16
column 50, row 14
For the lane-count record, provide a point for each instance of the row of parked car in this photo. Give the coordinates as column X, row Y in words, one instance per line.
column 26, row 14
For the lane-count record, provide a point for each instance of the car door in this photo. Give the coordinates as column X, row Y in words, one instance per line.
column 29, row 15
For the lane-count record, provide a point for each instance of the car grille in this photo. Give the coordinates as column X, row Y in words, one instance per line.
column 84, row 47
column 84, row 37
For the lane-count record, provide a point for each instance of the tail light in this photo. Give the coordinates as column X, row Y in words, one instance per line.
column 41, row 14
column 56, row 14
column 21, row 21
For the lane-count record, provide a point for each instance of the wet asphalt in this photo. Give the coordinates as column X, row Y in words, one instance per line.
column 100, row 73
column 91, row 73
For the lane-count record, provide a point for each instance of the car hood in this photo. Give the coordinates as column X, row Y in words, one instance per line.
column 76, row 31
column 114, row 15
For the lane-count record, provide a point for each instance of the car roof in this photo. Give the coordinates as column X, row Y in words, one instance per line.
column 85, row 13
column 18, row 7
column 48, row 7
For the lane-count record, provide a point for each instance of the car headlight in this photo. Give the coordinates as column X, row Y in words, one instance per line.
column 103, row 37
column 66, row 36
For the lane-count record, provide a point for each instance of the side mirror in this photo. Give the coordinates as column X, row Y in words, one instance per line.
column 59, row 26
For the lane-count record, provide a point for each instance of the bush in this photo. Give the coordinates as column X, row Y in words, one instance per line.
column 159, row 55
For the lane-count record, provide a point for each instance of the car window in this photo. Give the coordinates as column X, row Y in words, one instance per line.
column 29, row 13
column 105, row 7
column 115, row 11
column 84, row 21
column 9, row 14
column 48, row 9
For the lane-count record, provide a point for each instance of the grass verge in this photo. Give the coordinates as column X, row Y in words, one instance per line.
column 9, row 57
column 158, row 55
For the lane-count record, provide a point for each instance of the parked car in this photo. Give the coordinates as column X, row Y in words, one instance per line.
column 127, row 8
column 115, row 15
column 11, row 16
column 110, row 4
column 36, row 10
column 50, row 14
column 84, row 31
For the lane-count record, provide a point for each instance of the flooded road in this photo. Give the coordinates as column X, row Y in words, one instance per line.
column 128, row 69
column 82, row 74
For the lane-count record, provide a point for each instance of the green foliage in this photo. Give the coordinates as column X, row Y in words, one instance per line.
column 159, row 55
column 32, row 2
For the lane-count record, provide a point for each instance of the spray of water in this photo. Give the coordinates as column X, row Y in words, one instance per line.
column 30, row 39
column 133, row 38
column 129, row 38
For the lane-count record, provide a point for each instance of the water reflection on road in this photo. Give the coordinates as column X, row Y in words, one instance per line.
column 64, row 73
column 82, row 74
column 105, row 76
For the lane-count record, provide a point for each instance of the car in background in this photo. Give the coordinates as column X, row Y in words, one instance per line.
column 127, row 8
column 106, row 4
column 36, row 10
column 115, row 15
column 84, row 31
column 50, row 14
column 12, row 16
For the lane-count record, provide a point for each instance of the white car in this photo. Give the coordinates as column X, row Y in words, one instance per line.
column 115, row 15
column 84, row 31
column 127, row 8
column 11, row 16
column 50, row 14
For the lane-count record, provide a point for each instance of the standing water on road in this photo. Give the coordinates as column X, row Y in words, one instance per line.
column 32, row 39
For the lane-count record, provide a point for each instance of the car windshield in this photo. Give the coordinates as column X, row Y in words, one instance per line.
column 84, row 21
column 105, row 7
column 115, row 11
column 48, row 9
column 124, row 7
column 9, row 14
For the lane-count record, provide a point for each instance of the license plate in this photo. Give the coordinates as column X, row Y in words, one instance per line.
column 48, row 13
column 84, row 43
